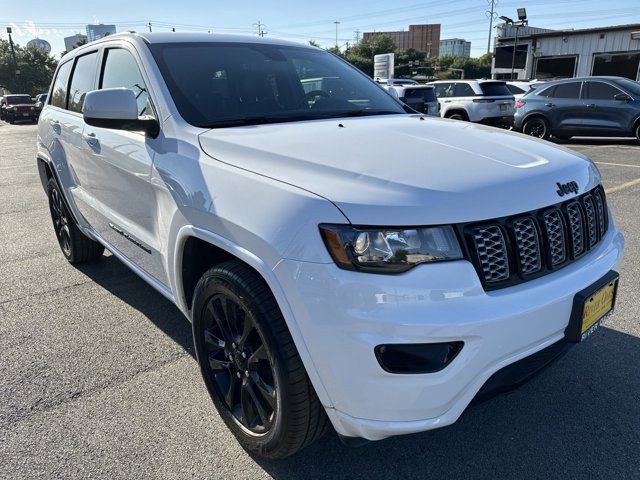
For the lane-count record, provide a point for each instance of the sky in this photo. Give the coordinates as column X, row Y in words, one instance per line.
column 302, row 20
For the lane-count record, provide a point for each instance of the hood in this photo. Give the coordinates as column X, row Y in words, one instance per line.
column 401, row 170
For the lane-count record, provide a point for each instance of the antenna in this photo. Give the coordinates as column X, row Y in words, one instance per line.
column 260, row 29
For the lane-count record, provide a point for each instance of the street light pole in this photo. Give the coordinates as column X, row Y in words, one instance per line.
column 13, row 57
column 337, row 23
column 515, row 47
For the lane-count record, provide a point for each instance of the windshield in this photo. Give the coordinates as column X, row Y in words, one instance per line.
column 495, row 89
column 16, row 99
column 231, row 84
column 630, row 86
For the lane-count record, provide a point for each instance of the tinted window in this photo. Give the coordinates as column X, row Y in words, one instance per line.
column 463, row 90
column 82, row 80
column 59, row 90
column 567, row 90
column 121, row 70
column 601, row 91
column 515, row 90
column 495, row 89
column 228, row 84
column 444, row 89
column 423, row 94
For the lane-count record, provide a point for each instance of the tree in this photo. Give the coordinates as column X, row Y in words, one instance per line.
column 35, row 65
column 361, row 54
column 313, row 43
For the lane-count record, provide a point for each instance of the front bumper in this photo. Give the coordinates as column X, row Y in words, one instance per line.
column 342, row 316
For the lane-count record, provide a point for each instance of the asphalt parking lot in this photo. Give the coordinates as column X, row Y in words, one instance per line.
column 98, row 379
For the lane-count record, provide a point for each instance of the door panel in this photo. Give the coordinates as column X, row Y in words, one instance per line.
column 119, row 189
column 603, row 114
column 566, row 111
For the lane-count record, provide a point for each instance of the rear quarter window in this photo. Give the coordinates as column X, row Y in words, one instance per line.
column 59, row 89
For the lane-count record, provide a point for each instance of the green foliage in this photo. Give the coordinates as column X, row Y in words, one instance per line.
column 361, row 55
column 36, row 69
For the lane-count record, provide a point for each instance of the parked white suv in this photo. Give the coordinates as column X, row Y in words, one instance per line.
column 342, row 262
column 481, row 101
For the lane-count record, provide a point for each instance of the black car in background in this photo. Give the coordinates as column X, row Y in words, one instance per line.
column 590, row 106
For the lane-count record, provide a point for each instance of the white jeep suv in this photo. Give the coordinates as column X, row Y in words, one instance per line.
column 489, row 102
column 343, row 262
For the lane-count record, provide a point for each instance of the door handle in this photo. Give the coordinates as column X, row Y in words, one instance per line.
column 591, row 105
column 91, row 139
column 549, row 104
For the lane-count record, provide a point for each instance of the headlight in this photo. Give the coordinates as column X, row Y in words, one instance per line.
column 15, row 109
column 32, row 108
column 389, row 250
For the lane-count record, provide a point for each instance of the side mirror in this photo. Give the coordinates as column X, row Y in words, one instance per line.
column 116, row 108
column 622, row 97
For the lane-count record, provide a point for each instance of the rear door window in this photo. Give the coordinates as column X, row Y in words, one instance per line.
column 600, row 91
column 82, row 80
column 569, row 90
column 463, row 90
column 59, row 90
column 423, row 94
column 515, row 90
column 495, row 89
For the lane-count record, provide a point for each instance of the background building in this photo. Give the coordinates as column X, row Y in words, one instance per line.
column 455, row 47
column 547, row 54
column 73, row 41
column 96, row 31
column 425, row 38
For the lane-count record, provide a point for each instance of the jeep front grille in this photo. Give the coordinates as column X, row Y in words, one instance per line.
column 507, row 251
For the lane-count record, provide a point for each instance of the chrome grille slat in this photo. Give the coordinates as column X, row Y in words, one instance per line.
column 492, row 252
column 512, row 250
column 576, row 228
column 592, row 226
column 528, row 245
column 554, row 228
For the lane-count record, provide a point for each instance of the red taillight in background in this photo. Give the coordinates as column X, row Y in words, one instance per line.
column 520, row 104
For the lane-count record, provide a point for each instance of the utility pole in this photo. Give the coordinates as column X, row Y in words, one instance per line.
column 337, row 23
column 491, row 14
column 16, row 72
column 357, row 32
column 149, row 25
column 260, row 29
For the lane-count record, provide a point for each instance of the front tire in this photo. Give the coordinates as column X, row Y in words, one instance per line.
column 638, row 132
column 537, row 127
column 250, row 364
column 75, row 245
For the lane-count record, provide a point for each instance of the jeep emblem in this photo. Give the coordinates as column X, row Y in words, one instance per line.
column 566, row 188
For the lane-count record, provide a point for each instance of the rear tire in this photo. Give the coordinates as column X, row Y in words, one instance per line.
column 250, row 364
column 75, row 245
column 638, row 132
column 537, row 127
column 459, row 116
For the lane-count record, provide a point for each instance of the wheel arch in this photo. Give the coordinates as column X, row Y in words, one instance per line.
column 455, row 110
column 193, row 240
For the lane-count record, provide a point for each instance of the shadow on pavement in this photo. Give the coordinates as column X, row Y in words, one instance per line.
column 574, row 420
column 115, row 277
column 625, row 141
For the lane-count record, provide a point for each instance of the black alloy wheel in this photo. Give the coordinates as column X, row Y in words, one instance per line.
column 250, row 364
column 60, row 219
column 536, row 127
column 239, row 363
column 75, row 245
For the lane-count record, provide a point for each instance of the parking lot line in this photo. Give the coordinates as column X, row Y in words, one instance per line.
column 617, row 188
column 618, row 164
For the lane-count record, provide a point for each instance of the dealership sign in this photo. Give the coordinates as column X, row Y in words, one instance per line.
column 383, row 65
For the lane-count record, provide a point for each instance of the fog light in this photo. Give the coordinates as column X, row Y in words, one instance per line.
column 417, row 357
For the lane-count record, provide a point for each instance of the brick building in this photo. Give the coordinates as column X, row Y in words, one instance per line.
column 425, row 38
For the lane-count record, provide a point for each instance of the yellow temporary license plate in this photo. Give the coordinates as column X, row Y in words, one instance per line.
column 596, row 308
